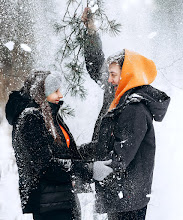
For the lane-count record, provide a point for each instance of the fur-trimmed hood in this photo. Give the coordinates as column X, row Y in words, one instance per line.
column 30, row 95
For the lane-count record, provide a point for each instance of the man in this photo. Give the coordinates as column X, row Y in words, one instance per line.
column 124, row 138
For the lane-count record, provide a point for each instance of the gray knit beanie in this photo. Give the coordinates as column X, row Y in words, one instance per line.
column 52, row 83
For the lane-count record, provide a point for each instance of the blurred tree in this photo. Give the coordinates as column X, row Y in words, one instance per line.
column 16, row 40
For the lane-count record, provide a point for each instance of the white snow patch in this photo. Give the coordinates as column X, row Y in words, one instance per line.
column 135, row 95
column 120, row 194
column 152, row 35
column 25, row 47
column 94, row 8
column 122, row 142
column 10, row 45
column 91, row 3
column 134, row 98
column 149, row 195
column 125, row 6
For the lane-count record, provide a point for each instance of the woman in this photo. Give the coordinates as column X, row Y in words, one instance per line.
column 44, row 148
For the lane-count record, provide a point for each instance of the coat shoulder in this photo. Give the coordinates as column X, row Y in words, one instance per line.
column 139, row 109
column 134, row 108
column 30, row 114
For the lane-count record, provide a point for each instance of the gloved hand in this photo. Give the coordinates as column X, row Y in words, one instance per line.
column 101, row 170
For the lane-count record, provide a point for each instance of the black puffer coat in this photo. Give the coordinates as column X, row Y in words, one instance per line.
column 125, row 135
column 44, row 166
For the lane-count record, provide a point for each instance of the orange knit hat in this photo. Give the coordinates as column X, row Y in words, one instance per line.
column 137, row 70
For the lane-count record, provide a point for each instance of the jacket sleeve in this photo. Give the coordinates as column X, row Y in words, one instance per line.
column 88, row 151
column 97, row 68
column 129, row 132
column 84, row 168
column 94, row 56
column 37, row 142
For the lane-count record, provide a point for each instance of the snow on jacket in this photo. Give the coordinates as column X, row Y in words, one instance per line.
column 125, row 135
column 44, row 166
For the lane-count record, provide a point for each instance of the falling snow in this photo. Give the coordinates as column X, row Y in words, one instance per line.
column 120, row 194
column 25, row 47
column 10, row 45
column 153, row 28
column 152, row 35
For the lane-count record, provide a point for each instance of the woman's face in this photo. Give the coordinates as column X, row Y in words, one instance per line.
column 55, row 97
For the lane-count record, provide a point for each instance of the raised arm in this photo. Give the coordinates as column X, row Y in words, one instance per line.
column 96, row 65
column 94, row 56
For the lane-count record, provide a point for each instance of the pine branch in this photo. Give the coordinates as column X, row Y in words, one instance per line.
column 114, row 28
column 72, row 29
column 58, row 27
column 66, row 111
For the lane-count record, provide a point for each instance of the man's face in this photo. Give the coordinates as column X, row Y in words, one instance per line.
column 114, row 74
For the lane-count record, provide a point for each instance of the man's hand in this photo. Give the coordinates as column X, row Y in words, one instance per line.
column 101, row 169
column 87, row 19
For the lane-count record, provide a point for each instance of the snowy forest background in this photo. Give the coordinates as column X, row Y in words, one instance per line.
column 153, row 28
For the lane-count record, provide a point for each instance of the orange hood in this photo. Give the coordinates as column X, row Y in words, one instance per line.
column 137, row 70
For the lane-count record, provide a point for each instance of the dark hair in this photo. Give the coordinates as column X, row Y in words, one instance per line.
column 117, row 58
column 34, row 88
column 31, row 79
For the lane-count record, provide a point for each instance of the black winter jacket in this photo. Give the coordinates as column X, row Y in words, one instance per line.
column 125, row 135
column 45, row 168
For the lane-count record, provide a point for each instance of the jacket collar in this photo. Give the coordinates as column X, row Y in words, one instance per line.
column 155, row 100
column 121, row 105
column 55, row 107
